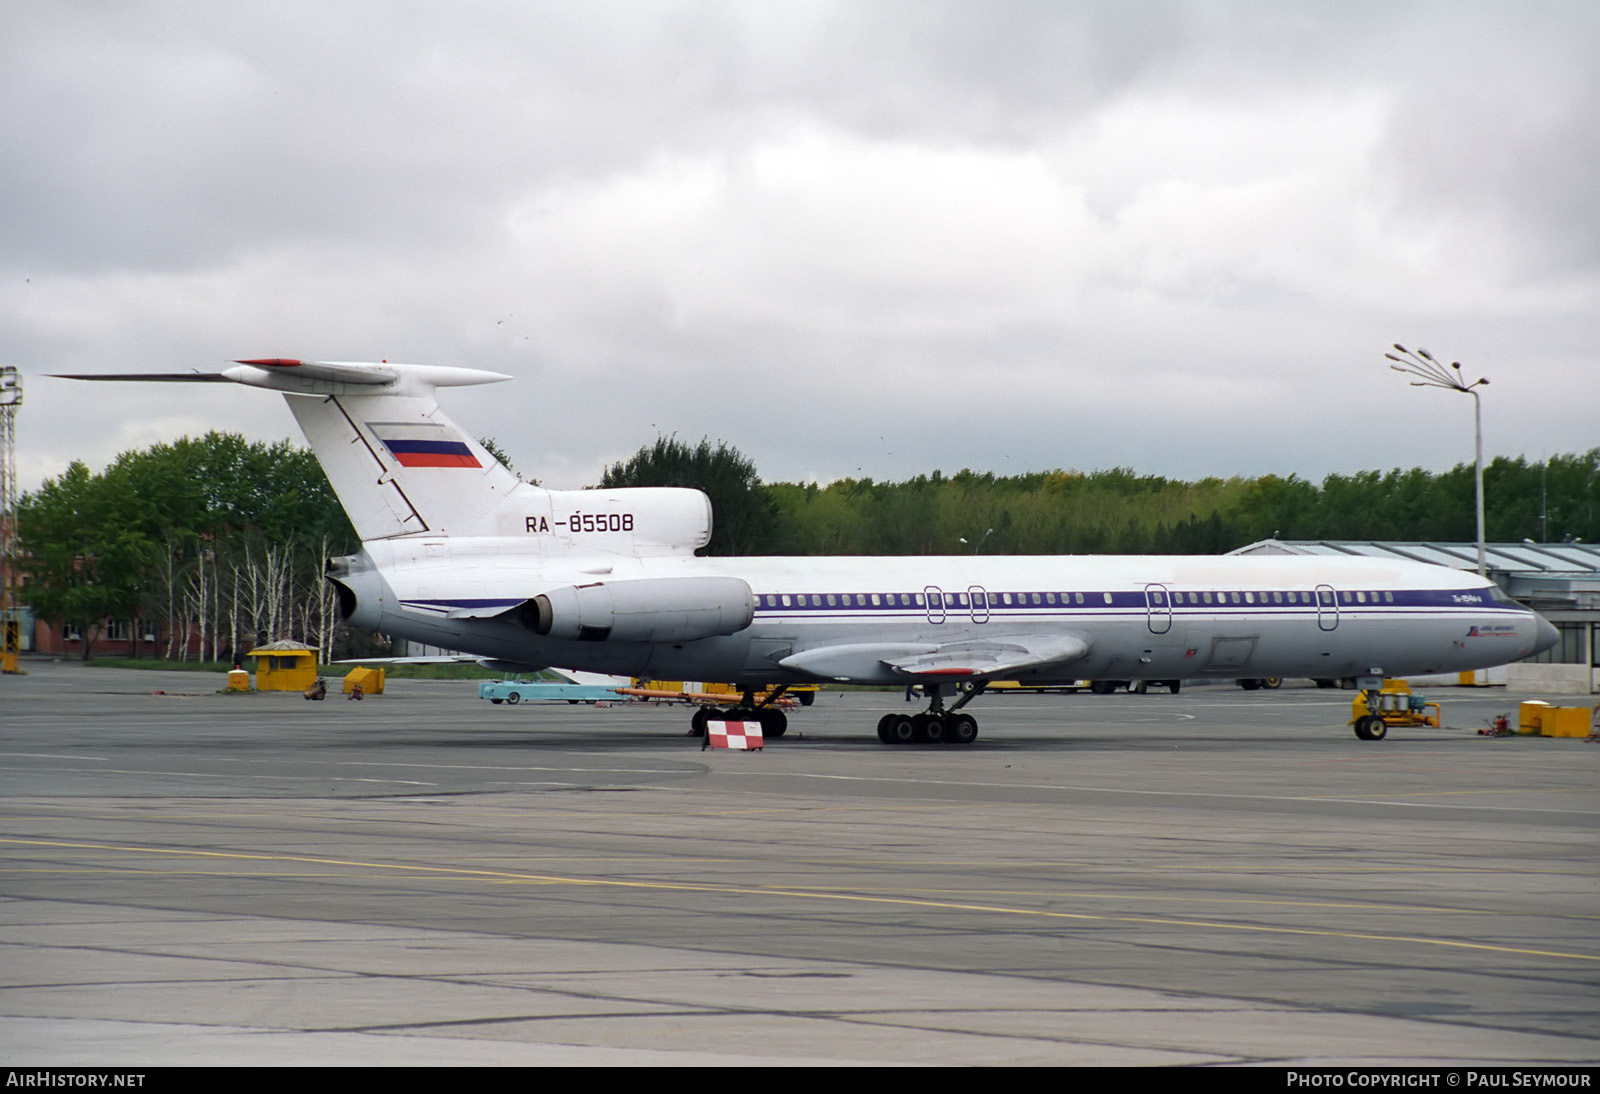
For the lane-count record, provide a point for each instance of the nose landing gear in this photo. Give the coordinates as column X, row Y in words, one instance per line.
column 774, row 723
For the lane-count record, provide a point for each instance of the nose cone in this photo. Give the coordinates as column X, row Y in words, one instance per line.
column 1545, row 635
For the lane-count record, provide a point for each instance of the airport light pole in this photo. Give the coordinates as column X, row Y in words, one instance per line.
column 979, row 547
column 1430, row 373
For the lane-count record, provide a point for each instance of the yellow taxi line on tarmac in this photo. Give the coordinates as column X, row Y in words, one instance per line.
column 814, row 895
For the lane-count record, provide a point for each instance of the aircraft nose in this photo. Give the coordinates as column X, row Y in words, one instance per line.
column 1547, row 635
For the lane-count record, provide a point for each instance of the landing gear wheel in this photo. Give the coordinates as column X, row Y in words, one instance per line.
column 698, row 722
column 902, row 730
column 885, row 729
column 774, row 723
column 1370, row 727
column 961, row 729
column 930, row 728
column 514, row 698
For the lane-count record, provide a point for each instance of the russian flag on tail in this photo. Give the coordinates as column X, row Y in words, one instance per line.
column 424, row 444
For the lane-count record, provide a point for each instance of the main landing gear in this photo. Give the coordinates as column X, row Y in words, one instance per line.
column 935, row 725
column 774, row 723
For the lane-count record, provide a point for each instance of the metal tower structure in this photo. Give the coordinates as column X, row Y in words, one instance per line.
column 10, row 403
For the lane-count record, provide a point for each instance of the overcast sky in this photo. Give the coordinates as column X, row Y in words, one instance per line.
column 852, row 239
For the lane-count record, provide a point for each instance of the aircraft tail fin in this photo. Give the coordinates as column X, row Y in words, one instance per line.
column 399, row 465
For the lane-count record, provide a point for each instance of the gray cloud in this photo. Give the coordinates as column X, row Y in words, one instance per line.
column 852, row 238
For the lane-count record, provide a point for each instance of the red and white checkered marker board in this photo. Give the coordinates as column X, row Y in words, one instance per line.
column 738, row 735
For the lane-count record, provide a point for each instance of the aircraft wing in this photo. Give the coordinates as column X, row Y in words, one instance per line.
column 990, row 657
column 986, row 658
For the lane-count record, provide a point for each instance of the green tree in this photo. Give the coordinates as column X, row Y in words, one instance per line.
column 491, row 446
column 213, row 534
column 744, row 513
column 86, row 561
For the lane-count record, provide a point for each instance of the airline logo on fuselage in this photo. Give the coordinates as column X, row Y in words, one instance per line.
column 1500, row 631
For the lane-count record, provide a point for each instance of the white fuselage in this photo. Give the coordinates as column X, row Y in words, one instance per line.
column 1140, row 617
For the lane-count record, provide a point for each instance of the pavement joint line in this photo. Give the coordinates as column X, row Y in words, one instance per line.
column 506, row 876
column 1170, row 793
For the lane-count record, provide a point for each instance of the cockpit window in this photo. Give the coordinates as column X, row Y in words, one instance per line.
column 1502, row 597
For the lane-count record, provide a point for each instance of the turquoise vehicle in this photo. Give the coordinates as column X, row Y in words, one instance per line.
column 529, row 687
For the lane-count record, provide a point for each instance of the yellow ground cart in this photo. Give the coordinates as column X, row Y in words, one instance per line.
column 1396, row 706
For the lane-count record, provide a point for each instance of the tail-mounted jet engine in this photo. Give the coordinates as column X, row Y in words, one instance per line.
column 360, row 589
column 665, row 609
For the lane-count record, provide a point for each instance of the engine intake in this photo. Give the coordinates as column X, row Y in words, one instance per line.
column 664, row 609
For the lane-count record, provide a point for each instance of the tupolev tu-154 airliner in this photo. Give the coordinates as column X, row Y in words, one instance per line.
column 457, row 552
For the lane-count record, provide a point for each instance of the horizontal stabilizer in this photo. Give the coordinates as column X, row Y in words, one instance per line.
column 296, row 377
column 346, row 372
column 147, row 377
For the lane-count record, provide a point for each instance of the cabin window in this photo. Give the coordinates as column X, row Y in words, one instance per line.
column 1388, row 598
column 1108, row 598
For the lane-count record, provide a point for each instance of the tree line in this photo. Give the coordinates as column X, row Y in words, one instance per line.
column 1117, row 511
column 1120, row 512
column 214, row 544
column 225, row 540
